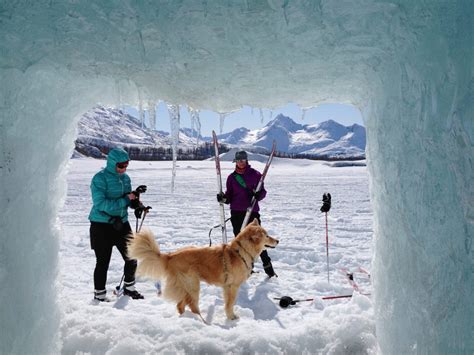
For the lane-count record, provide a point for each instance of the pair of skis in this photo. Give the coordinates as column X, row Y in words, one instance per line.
column 219, row 186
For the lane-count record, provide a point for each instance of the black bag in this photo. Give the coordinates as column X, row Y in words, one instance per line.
column 117, row 223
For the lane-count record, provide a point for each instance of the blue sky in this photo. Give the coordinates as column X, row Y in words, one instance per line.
column 251, row 119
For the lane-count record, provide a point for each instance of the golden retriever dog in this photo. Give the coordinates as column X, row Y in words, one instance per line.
column 225, row 265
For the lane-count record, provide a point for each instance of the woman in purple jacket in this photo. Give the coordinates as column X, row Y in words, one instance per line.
column 241, row 185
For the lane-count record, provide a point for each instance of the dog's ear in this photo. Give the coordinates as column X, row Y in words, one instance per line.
column 255, row 222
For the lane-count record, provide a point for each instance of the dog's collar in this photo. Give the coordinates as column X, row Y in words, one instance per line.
column 243, row 259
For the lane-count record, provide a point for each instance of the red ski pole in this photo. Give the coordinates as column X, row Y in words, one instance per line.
column 327, row 245
column 325, row 208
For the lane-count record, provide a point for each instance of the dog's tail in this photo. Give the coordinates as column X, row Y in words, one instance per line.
column 143, row 247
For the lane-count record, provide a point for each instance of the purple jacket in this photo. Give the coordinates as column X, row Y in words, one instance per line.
column 239, row 196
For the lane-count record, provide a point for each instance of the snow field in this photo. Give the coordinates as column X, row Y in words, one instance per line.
column 290, row 213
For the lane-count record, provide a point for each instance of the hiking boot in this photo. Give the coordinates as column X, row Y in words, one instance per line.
column 104, row 299
column 268, row 268
column 134, row 294
column 101, row 296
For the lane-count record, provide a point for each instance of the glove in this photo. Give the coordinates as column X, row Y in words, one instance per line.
column 221, row 198
column 258, row 195
column 326, row 202
column 135, row 204
column 141, row 189
column 139, row 211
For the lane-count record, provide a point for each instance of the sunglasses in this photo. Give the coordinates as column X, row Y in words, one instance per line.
column 122, row 165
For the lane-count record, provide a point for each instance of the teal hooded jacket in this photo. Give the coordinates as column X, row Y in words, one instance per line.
column 109, row 190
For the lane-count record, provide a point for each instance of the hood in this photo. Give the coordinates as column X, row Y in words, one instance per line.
column 116, row 155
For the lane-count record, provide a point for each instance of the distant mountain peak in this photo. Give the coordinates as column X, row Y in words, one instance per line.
column 328, row 138
column 284, row 122
column 329, row 124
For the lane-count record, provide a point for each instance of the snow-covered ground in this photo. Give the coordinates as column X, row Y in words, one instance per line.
column 290, row 213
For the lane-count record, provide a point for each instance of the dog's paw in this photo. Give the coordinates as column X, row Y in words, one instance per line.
column 233, row 317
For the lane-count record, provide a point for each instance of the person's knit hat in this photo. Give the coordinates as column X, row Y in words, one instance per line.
column 242, row 155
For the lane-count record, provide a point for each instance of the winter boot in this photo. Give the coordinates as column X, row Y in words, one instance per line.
column 131, row 292
column 269, row 270
column 101, row 296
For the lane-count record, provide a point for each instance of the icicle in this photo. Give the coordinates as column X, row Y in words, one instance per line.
column 198, row 126
column 251, row 110
column 261, row 115
column 303, row 114
column 271, row 115
column 221, row 121
column 174, row 125
column 195, row 123
column 141, row 113
column 152, row 114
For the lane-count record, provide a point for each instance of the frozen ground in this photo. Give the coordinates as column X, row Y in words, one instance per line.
column 290, row 212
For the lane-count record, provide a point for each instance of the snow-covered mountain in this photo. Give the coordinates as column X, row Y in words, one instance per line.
column 102, row 128
column 329, row 138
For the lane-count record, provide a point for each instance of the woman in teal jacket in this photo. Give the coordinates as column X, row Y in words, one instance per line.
column 111, row 196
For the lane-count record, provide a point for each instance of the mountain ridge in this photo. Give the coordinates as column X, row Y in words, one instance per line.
column 103, row 128
column 328, row 138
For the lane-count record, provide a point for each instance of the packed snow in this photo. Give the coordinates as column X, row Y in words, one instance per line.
column 290, row 213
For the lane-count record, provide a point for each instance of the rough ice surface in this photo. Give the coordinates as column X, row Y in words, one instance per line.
column 407, row 65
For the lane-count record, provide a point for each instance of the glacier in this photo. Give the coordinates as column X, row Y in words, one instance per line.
column 408, row 66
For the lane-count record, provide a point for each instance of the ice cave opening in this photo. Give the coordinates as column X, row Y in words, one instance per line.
column 407, row 66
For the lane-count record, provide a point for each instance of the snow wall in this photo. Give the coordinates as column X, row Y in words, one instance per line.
column 407, row 65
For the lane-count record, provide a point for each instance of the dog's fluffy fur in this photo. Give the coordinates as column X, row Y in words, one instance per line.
column 225, row 265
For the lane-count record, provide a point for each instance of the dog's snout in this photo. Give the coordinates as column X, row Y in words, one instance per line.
column 273, row 239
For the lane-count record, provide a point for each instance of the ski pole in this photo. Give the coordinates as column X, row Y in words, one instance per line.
column 118, row 288
column 327, row 245
column 325, row 208
column 145, row 211
column 341, row 296
column 286, row 301
column 335, row 297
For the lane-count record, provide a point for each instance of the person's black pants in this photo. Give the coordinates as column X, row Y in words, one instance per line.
column 237, row 218
column 103, row 237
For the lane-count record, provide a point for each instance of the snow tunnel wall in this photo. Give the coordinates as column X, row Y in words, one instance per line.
column 407, row 66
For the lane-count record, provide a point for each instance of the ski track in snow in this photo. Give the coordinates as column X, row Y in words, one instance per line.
column 290, row 213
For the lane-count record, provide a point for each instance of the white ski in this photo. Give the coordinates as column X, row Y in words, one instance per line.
column 219, row 187
column 259, row 186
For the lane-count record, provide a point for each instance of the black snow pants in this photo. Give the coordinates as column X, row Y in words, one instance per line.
column 103, row 237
